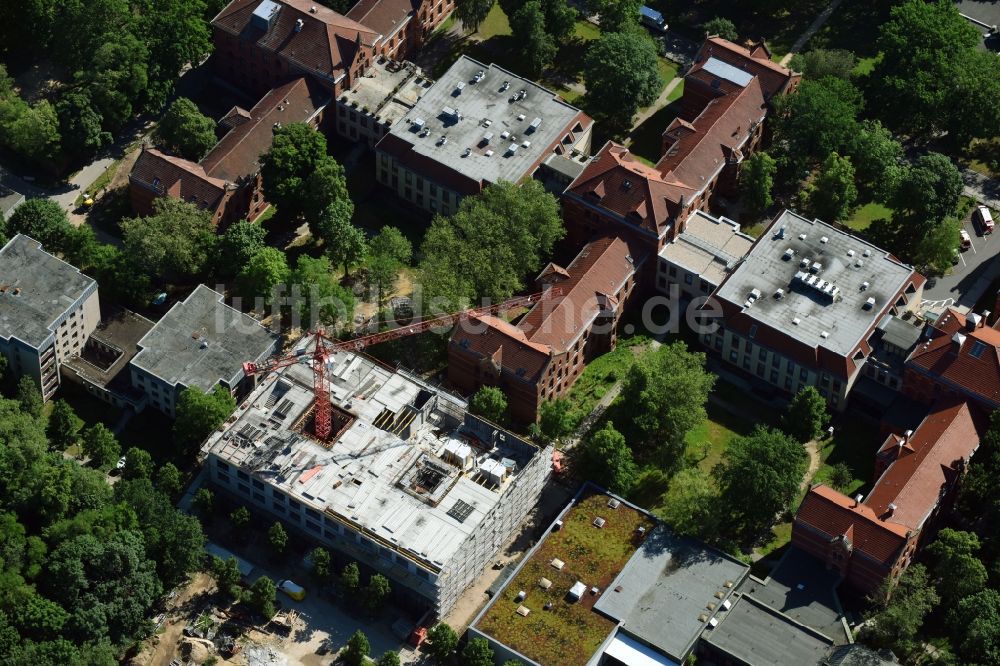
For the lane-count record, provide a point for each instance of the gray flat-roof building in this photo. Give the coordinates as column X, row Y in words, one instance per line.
column 386, row 93
column 701, row 256
column 201, row 342
column 409, row 484
column 48, row 309
column 802, row 307
column 478, row 124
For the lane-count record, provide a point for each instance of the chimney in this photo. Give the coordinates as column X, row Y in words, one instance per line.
column 891, row 509
column 857, row 499
column 973, row 321
column 957, row 341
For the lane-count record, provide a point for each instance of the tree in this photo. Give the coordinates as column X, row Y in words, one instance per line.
column 876, row 157
column 560, row 20
column 227, row 576
column 389, row 658
column 621, row 75
column 80, row 124
column 29, row 397
column 261, row 596
column 64, row 425
column 490, row 244
column 177, row 34
column 841, row 476
column 390, row 242
column 357, row 650
column 616, row 15
column 607, row 459
column 240, row 517
column 277, row 537
column 376, row 592
column 322, row 301
column 756, row 183
column 477, row 652
column 325, row 186
column 722, row 27
column 322, row 565
column 975, row 625
column 663, row 397
column 101, row 445
column 199, row 413
column 928, row 190
column 537, row 48
column 555, row 420
column 350, row 577
column 204, row 499
column 138, row 464
column 806, row 418
column 818, row 63
column 956, row 571
column 265, row 270
column 767, row 466
column 975, row 99
column 43, row 220
column 895, row 621
column 31, row 130
column 168, row 479
column 442, row 642
column 691, row 505
column 186, row 130
column 818, row 119
column 936, row 250
column 241, row 243
column 832, row 194
column 296, row 150
column 176, row 242
column 490, row 403
column 472, row 13
column 923, row 47
column 117, row 77
column 343, row 242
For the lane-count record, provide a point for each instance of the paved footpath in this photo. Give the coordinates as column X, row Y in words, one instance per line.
column 811, row 30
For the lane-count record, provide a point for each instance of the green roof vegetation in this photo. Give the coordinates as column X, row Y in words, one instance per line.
column 569, row 632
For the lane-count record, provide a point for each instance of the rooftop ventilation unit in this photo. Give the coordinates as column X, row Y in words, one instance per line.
column 802, row 236
column 505, row 134
column 521, row 117
column 480, row 75
column 867, row 252
column 264, row 16
column 754, row 295
column 859, row 263
column 869, row 304
column 804, row 263
column 418, row 123
column 789, row 253
column 822, row 287
column 864, row 286
column 816, row 267
column 781, row 232
column 467, row 152
column 824, row 239
column 599, row 522
column 487, row 137
column 779, row 294
column 526, row 144
column 488, row 153
column 512, row 149
column 459, row 87
column 299, row 23
column 824, row 334
column 443, row 140
column 850, row 253
column 796, row 321
column 535, row 124
column 455, row 114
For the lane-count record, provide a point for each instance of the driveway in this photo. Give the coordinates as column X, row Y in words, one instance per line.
column 982, row 14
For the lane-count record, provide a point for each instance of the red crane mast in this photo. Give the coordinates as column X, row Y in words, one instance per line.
column 325, row 346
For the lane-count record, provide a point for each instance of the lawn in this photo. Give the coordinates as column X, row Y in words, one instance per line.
column 707, row 442
column 496, row 23
column 599, row 376
column 866, row 214
column 569, row 632
column 855, row 443
column 647, row 138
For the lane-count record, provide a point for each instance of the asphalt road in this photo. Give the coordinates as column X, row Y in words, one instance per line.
column 970, row 278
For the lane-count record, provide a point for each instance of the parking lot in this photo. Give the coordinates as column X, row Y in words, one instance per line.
column 971, row 276
column 985, row 13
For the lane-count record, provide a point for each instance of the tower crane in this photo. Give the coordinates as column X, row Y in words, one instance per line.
column 323, row 347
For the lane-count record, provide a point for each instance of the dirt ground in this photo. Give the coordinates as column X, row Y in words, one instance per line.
column 162, row 647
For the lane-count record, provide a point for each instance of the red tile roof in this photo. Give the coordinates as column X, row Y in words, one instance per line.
column 926, row 465
column 600, row 269
column 178, row 178
column 773, row 77
column 327, row 42
column 942, row 359
column 718, row 131
column 383, row 16
column 237, row 154
column 506, row 344
column 834, row 514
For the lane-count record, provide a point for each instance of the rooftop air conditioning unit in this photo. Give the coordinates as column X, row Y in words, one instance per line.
column 824, row 239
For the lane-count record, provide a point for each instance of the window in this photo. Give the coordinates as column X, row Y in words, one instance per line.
column 761, row 354
column 760, row 369
column 749, row 347
column 718, row 344
column 244, row 488
column 977, row 349
column 788, row 383
column 312, row 513
column 732, row 356
column 257, row 483
column 243, row 475
column 223, row 467
column 803, row 374
column 753, row 331
column 746, row 362
column 688, row 278
column 259, row 497
column 775, row 361
column 277, row 508
column 673, row 271
column 312, row 527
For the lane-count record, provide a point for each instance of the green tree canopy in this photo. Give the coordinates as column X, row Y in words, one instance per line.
column 928, row 191
column 227, row 575
column 376, row 592
column 477, row 652
column 169, row 479
column 832, row 194
column 138, row 464
column 64, row 425
column 43, row 220
column 817, row 63
column 186, row 130
column 389, row 658
column 80, row 123
column 895, row 622
column 264, row 271
column 536, row 47
column 442, row 642
column 350, row 577
column 691, row 505
column 621, row 73
column 296, row 151
column 322, row 563
column 261, row 596
column 722, row 27
column 388, row 251
column 199, row 413
column 953, row 564
column 766, row 466
column 488, row 247
column 663, row 397
column 756, row 182
column 322, row 300
column 491, row 403
column 240, row 517
column 807, row 416
column 343, row 243
column 472, row 13
column 555, row 420
column 277, row 537
column 101, row 445
column 975, row 622
column 616, row 15
column 606, row 459
column 325, row 186
column 876, row 156
column 241, row 242
column 29, row 397
column 176, row 242
column 818, row 119
column 357, row 650
column 974, row 101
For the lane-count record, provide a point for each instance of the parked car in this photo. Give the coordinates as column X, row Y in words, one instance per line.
column 984, row 219
column 292, row 589
column 121, row 463
column 652, row 19
column 966, row 240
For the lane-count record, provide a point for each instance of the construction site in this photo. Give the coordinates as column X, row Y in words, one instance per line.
column 380, row 466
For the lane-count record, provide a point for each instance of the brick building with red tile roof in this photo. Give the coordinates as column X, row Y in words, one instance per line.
column 541, row 357
column 227, row 180
column 404, row 25
column 917, row 474
column 725, row 102
column 959, row 355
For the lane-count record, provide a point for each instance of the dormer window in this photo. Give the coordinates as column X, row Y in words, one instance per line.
column 977, row 349
column 627, row 184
